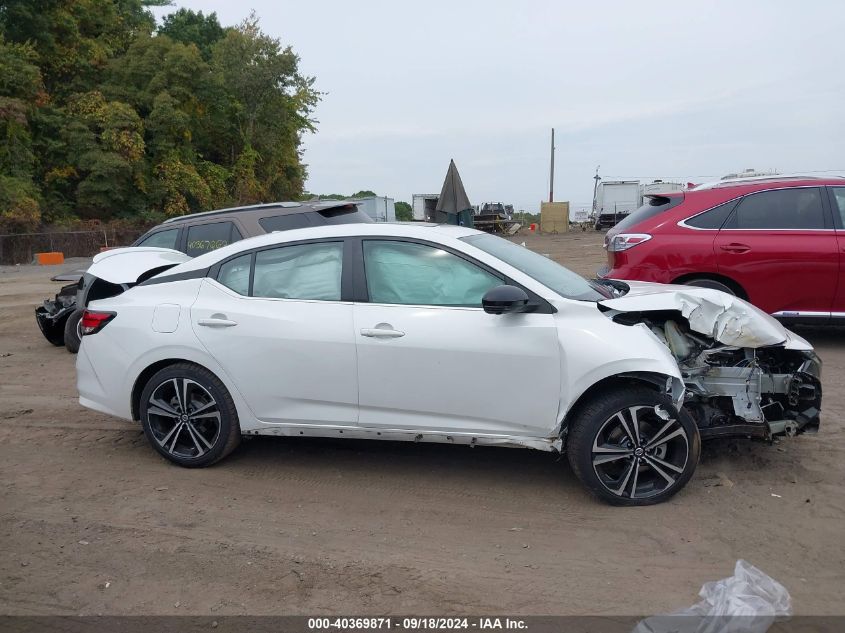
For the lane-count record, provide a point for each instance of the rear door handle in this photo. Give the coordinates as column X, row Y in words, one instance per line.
column 735, row 248
column 216, row 322
column 381, row 333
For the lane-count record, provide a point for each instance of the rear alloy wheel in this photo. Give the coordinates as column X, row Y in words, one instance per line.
column 634, row 447
column 710, row 283
column 189, row 416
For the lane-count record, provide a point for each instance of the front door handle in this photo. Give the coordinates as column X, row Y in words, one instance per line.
column 216, row 322
column 734, row 247
column 382, row 332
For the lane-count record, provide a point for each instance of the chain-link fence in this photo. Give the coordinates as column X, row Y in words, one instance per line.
column 20, row 248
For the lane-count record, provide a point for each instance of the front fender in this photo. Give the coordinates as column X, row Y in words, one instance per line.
column 614, row 350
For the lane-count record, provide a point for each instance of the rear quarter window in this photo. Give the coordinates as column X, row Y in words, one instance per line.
column 714, row 218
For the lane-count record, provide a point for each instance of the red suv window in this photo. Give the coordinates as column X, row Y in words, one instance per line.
column 797, row 208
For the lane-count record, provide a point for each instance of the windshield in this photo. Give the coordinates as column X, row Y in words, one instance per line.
column 548, row 272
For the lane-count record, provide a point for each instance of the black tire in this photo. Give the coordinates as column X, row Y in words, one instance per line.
column 644, row 464
column 703, row 282
column 189, row 438
column 73, row 336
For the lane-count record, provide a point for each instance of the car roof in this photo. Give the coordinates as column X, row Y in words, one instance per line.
column 417, row 230
column 278, row 208
column 782, row 180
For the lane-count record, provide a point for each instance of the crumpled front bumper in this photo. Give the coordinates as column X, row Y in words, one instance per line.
column 53, row 313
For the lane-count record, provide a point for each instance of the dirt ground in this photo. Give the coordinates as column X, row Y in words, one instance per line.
column 93, row 521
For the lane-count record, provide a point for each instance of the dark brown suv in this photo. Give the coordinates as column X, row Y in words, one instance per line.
column 193, row 235
column 200, row 233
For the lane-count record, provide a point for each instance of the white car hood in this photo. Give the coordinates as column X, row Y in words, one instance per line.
column 125, row 265
column 722, row 317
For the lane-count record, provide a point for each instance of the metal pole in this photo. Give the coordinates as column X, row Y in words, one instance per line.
column 596, row 178
column 552, row 171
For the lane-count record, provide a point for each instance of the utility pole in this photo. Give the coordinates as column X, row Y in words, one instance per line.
column 552, row 171
column 595, row 187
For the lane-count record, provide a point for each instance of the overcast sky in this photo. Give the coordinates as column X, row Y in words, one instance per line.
column 672, row 90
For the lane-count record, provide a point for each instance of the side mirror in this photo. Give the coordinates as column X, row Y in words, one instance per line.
column 504, row 300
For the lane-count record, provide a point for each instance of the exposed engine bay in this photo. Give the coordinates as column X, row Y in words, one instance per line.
column 739, row 391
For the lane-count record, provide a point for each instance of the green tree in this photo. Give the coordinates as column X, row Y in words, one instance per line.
column 20, row 93
column 191, row 27
column 266, row 109
column 404, row 212
column 99, row 118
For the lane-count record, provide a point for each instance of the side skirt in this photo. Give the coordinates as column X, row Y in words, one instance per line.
column 401, row 435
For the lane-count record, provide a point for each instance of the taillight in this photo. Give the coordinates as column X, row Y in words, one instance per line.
column 624, row 241
column 93, row 321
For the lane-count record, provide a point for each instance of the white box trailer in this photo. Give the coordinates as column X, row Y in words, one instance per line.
column 423, row 205
column 660, row 186
column 379, row 208
column 614, row 200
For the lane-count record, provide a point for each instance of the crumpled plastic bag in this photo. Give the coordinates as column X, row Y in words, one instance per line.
column 747, row 602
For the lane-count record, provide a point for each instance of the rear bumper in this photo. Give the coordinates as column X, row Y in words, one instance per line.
column 93, row 394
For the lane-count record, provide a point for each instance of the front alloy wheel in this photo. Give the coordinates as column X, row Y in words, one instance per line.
column 633, row 448
column 189, row 416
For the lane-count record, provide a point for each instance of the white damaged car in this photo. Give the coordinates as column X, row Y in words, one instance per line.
column 404, row 332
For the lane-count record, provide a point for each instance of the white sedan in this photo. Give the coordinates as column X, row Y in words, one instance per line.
column 440, row 334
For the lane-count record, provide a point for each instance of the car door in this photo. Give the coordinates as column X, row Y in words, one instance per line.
column 837, row 203
column 431, row 359
column 780, row 246
column 275, row 320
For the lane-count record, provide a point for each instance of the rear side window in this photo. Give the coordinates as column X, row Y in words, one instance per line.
column 653, row 206
column 285, row 222
column 303, row 271
column 714, row 218
column 161, row 239
column 798, row 208
column 204, row 238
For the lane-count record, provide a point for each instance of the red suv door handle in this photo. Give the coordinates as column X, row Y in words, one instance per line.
column 735, row 248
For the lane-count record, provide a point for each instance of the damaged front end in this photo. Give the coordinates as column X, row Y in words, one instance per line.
column 53, row 313
column 745, row 375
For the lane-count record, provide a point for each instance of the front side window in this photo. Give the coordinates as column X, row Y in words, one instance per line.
column 162, row 239
column 205, row 238
column 406, row 273
column 549, row 273
column 798, row 208
column 302, row 271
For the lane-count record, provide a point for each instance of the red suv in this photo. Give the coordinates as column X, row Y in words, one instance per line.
column 778, row 242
